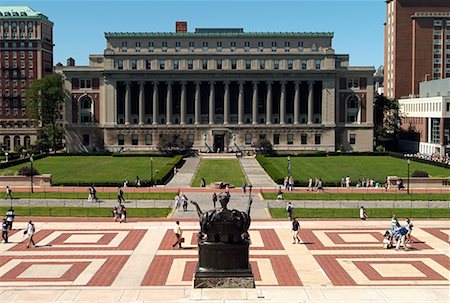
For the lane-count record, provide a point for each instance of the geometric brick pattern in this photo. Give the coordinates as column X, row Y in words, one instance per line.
column 440, row 233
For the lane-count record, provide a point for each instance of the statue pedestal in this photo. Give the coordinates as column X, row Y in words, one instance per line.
column 224, row 265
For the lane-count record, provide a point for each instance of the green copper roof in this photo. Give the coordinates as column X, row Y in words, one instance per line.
column 20, row 12
column 224, row 34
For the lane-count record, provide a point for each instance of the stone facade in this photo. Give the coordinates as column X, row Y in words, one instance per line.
column 223, row 89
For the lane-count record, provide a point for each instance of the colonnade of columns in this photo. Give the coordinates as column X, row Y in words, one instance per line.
column 197, row 113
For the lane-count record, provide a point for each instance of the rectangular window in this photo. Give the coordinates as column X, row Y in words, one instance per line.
column 248, row 139
column 290, row 64
column 303, row 139
column 276, row 139
column 274, row 46
column 124, row 47
column 86, row 140
column 300, row 45
column 120, row 139
column 148, row 139
column 148, row 64
column 262, row 64
column 219, row 45
column 162, row 64
column 248, row 64
column 317, row 139
column 304, row 64
column 134, row 64
column 247, row 46
column 190, row 64
column 151, row 47
column 120, row 64
column 176, row 64
column 138, row 47
column 261, row 46
column 317, row 63
column 290, row 139
column 352, row 139
column 219, row 64
column 233, row 63
column 205, row 64
column 233, row 46
column 276, row 64
column 177, row 46
column 134, row 139
column 205, row 46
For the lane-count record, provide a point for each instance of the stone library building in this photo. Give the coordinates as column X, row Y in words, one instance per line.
column 221, row 88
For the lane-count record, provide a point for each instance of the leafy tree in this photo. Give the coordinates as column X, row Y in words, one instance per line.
column 263, row 146
column 45, row 97
column 387, row 119
column 174, row 144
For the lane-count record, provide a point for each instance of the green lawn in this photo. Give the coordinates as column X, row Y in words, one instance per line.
column 86, row 212
column 358, row 196
column 100, row 195
column 228, row 170
column 371, row 213
column 100, row 169
column 332, row 168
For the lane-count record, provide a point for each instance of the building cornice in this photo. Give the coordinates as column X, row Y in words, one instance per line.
column 221, row 35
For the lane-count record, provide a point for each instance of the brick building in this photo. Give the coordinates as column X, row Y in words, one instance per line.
column 26, row 54
column 417, row 44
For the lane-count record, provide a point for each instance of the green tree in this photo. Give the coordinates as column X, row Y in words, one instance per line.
column 45, row 97
column 174, row 144
column 387, row 119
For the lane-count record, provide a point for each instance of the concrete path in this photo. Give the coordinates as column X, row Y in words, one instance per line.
column 256, row 175
column 185, row 174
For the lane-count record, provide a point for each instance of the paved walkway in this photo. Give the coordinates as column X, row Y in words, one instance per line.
column 337, row 261
column 256, row 175
column 185, row 174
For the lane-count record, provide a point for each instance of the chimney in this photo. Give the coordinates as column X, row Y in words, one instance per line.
column 181, row 26
column 71, row 62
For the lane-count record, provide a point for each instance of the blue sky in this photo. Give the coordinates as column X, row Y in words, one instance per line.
column 80, row 25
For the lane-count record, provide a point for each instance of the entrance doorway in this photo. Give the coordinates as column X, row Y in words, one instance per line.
column 219, row 141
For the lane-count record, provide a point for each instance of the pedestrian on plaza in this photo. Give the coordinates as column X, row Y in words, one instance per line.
column 8, row 192
column 176, row 203
column 202, row 182
column 342, row 181
column 400, row 235
column 125, row 183
column 309, row 188
column 119, row 211
column 138, row 181
column 244, row 188
column 408, row 226
column 295, row 230
column 279, row 193
column 286, row 182
column 319, row 185
column 115, row 213
column 291, row 183
column 10, row 214
column 90, row 195
column 362, row 213
column 184, row 201
column 347, row 181
column 30, row 231
column 290, row 210
column 214, row 199
column 94, row 194
column 5, row 231
column 178, row 234
column 120, row 195
column 123, row 216
column 394, row 222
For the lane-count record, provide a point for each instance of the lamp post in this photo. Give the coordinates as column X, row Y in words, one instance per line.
column 409, row 163
column 151, row 170
column 289, row 166
column 31, row 173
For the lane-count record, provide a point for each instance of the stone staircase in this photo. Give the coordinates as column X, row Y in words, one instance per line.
column 217, row 155
column 185, row 174
column 255, row 174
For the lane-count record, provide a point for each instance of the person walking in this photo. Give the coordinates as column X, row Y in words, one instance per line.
column 290, row 210
column 123, row 216
column 8, row 192
column 120, row 195
column 90, row 195
column 309, row 188
column 202, row 182
column 178, row 234
column 184, row 201
column 10, row 215
column 138, row 181
column 115, row 213
column 362, row 213
column 408, row 226
column 30, row 231
column 176, row 202
column 279, row 193
column 5, row 231
column 295, row 230
column 394, row 222
column 94, row 194
column 244, row 188
column 214, row 199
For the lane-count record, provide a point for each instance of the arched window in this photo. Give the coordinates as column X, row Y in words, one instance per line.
column 351, row 109
column 86, row 102
column 85, row 109
column 16, row 141
column 7, row 142
column 26, row 142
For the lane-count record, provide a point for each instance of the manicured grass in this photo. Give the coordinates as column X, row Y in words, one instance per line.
column 371, row 213
column 86, row 212
column 228, row 170
column 359, row 196
column 100, row 169
column 100, row 195
column 331, row 169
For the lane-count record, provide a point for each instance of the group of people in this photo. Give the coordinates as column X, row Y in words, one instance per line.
column 120, row 213
column 367, row 183
column 181, row 200
column 398, row 235
column 7, row 223
column 288, row 183
column 434, row 157
column 92, row 197
column 318, row 184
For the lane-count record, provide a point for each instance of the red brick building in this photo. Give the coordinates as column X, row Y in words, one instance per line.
column 26, row 54
column 417, row 44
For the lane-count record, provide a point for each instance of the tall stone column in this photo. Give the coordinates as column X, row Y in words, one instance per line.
column 255, row 103
column 310, row 102
column 297, row 103
column 141, row 103
column 212, row 102
column 155, row 103
column 169, row 103
column 226, row 103
column 115, row 96
column 183, row 103
column 127, row 103
column 283, row 103
column 269, row 103
column 197, row 103
column 241, row 103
